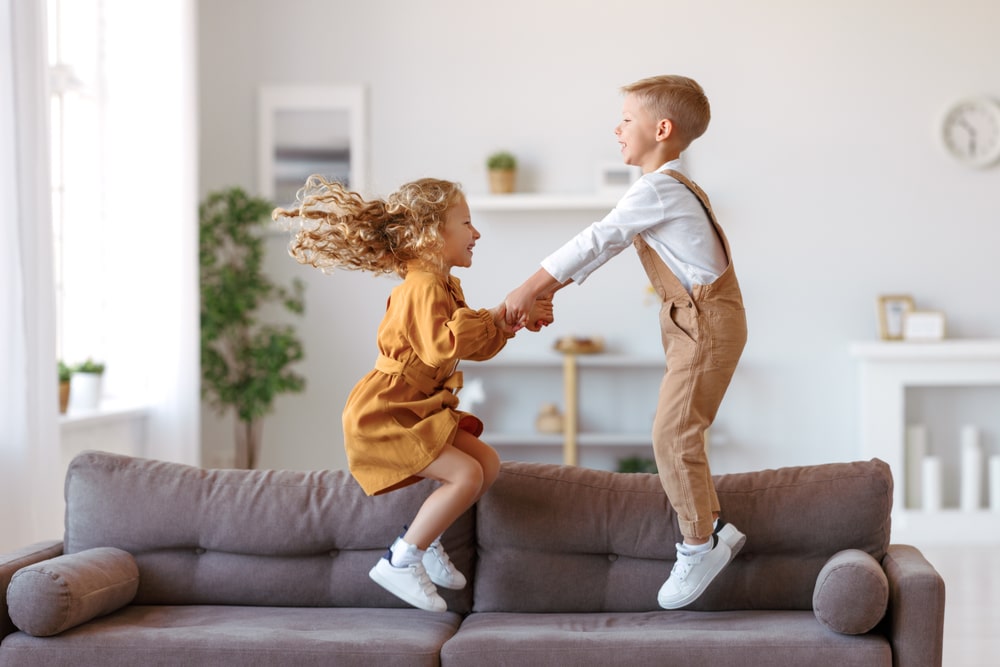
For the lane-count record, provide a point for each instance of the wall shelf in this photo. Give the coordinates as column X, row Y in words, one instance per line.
column 887, row 370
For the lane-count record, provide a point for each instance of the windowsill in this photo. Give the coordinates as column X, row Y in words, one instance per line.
column 109, row 412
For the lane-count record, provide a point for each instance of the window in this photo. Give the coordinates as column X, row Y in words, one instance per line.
column 76, row 70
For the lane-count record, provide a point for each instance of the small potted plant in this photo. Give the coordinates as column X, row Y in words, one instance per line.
column 502, row 168
column 85, row 385
column 64, row 378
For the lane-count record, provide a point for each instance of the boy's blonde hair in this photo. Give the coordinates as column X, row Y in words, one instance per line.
column 333, row 227
column 677, row 98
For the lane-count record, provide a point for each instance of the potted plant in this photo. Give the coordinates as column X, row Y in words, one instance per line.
column 502, row 168
column 245, row 362
column 86, row 380
column 65, row 373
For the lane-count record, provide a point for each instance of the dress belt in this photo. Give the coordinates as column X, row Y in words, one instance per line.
column 416, row 378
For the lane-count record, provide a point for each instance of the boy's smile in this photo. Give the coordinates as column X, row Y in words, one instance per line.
column 641, row 137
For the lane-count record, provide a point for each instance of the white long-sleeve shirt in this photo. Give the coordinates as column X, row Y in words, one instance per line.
column 670, row 219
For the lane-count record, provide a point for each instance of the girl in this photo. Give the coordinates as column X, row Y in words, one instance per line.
column 401, row 421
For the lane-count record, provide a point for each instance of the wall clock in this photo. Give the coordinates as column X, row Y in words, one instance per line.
column 971, row 131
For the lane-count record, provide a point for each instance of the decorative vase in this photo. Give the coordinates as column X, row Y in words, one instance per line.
column 549, row 419
column 502, row 181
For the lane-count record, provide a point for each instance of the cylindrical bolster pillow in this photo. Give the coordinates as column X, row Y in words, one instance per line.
column 851, row 592
column 49, row 597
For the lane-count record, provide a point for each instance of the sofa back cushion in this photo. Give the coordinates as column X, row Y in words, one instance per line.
column 565, row 539
column 250, row 537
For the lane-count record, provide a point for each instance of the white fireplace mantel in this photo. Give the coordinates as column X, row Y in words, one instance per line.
column 887, row 369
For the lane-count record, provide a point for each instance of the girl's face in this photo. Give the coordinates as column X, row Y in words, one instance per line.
column 459, row 235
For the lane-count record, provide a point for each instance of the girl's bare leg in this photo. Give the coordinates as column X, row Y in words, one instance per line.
column 466, row 469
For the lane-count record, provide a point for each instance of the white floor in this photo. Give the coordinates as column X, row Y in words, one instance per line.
column 972, row 603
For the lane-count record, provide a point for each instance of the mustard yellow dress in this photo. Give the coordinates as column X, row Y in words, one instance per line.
column 401, row 415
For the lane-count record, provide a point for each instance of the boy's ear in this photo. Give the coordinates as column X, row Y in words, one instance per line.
column 664, row 129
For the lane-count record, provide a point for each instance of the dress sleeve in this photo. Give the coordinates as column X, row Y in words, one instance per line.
column 442, row 334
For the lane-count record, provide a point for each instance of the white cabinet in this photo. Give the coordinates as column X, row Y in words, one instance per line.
column 607, row 401
column 889, row 370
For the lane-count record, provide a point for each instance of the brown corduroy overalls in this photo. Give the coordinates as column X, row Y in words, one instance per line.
column 703, row 337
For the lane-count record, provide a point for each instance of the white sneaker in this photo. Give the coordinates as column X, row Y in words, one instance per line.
column 692, row 574
column 440, row 568
column 729, row 534
column 410, row 584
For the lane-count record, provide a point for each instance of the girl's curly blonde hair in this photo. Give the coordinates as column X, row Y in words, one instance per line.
column 333, row 227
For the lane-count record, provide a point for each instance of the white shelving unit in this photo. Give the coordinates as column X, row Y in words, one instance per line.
column 607, row 399
column 887, row 370
column 607, row 402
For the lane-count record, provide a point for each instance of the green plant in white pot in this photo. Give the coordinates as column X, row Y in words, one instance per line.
column 86, row 384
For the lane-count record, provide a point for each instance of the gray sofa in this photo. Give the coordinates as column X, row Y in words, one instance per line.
column 165, row 564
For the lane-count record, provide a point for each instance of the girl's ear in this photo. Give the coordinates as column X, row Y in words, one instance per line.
column 664, row 128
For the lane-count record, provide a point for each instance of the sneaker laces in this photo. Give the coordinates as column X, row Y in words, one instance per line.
column 426, row 585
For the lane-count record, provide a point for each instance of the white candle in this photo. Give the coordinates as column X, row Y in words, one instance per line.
column 932, row 483
column 916, row 450
column 972, row 470
column 995, row 483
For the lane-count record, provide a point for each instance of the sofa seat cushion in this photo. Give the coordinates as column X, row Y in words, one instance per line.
column 60, row 593
column 566, row 539
column 737, row 638
column 241, row 636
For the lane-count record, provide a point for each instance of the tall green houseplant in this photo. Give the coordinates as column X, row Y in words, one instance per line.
column 245, row 362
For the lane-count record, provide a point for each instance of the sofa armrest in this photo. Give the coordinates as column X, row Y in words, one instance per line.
column 915, row 618
column 14, row 561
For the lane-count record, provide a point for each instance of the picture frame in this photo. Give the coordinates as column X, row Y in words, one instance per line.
column 923, row 325
column 891, row 311
column 310, row 129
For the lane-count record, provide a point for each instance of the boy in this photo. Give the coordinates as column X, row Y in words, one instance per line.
column 702, row 321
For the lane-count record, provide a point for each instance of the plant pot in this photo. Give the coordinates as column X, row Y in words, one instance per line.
column 63, row 396
column 502, row 181
column 85, row 391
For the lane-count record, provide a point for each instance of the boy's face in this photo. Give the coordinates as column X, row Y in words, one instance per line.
column 639, row 135
column 459, row 235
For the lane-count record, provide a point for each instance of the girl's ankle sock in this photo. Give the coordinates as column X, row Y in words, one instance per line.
column 404, row 553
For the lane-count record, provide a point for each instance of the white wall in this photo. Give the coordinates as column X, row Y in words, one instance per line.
column 822, row 161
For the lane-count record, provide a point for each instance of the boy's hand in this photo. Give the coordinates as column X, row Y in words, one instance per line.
column 541, row 314
column 518, row 305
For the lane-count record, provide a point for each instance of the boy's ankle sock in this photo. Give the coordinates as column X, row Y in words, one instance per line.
column 692, row 549
column 404, row 554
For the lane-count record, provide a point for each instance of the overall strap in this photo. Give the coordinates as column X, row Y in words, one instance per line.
column 695, row 188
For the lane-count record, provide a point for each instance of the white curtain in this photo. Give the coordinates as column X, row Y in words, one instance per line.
column 152, row 216
column 30, row 478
